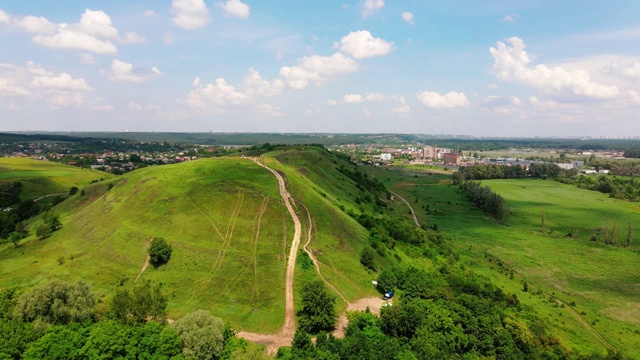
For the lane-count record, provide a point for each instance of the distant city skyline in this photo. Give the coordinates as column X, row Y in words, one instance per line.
column 519, row 68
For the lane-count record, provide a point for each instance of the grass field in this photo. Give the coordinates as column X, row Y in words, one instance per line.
column 43, row 177
column 602, row 280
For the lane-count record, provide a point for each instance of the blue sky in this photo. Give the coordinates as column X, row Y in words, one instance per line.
column 502, row 68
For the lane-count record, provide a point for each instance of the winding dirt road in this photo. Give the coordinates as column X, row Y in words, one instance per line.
column 415, row 218
column 285, row 336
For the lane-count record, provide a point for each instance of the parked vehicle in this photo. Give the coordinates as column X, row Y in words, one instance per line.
column 388, row 295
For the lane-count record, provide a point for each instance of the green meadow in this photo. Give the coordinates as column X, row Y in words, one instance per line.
column 41, row 178
column 601, row 280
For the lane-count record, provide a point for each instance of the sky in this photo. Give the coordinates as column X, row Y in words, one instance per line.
column 473, row 67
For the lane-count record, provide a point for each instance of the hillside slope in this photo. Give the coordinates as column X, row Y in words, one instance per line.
column 228, row 227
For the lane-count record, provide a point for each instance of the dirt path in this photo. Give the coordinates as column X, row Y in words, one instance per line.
column 285, row 336
column 373, row 303
column 145, row 265
column 50, row 195
column 413, row 213
column 586, row 325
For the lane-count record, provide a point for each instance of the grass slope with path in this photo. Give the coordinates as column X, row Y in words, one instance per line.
column 601, row 280
column 40, row 178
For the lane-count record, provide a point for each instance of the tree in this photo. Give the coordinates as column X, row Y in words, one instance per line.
column 367, row 258
column 73, row 190
column 302, row 347
column 43, row 231
column 202, row 335
column 56, row 303
column 143, row 302
column 318, row 312
column 53, row 220
column 159, row 251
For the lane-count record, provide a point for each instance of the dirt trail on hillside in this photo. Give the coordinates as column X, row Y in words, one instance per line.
column 145, row 265
column 285, row 336
column 46, row 196
column 586, row 325
column 413, row 213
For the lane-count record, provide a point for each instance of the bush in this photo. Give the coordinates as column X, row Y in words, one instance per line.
column 43, row 231
column 367, row 258
column 159, row 251
column 202, row 335
column 318, row 312
column 56, row 303
column 73, row 190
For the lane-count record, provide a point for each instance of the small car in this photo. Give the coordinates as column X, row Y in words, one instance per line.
column 387, row 296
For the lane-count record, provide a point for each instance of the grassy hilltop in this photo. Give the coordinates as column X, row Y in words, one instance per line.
column 41, row 178
column 228, row 227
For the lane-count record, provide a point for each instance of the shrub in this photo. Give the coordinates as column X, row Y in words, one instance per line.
column 159, row 251
column 367, row 258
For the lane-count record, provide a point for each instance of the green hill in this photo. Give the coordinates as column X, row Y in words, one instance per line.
column 40, row 178
column 228, row 227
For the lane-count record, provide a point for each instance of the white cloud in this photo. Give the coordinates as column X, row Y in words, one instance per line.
column 369, row 7
column 97, row 23
column 493, row 100
column 254, row 84
column 148, row 13
column 10, row 87
column 374, row 97
column 511, row 18
column 94, row 32
column 408, row 17
column 353, row 99
column 361, row 44
column 402, row 108
column 632, row 72
column 68, row 39
column 511, row 63
column 34, row 82
column 190, row 14
column 133, row 38
column 218, row 94
column 35, row 24
column 433, row 100
column 492, row 86
column 88, row 59
column 366, row 113
column 125, row 72
column 267, row 110
column 332, row 102
column 317, row 69
column 137, row 107
column 235, row 8
column 63, row 81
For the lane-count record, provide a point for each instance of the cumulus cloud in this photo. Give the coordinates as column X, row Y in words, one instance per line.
column 69, row 39
column 433, row 100
column 36, row 83
column 62, row 81
column 190, row 14
column 88, row 59
column 401, row 108
column 125, row 72
column 148, row 13
column 366, row 113
column 374, row 97
column 219, row 93
column 235, row 8
column 369, row 7
column 317, row 69
column 631, row 72
column 267, row 110
column 512, row 64
column 407, row 16
column 361, row 44
column 254, row 84
column 94, row 32
column 353, row 99
column 332, row 102
column 493, row 100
